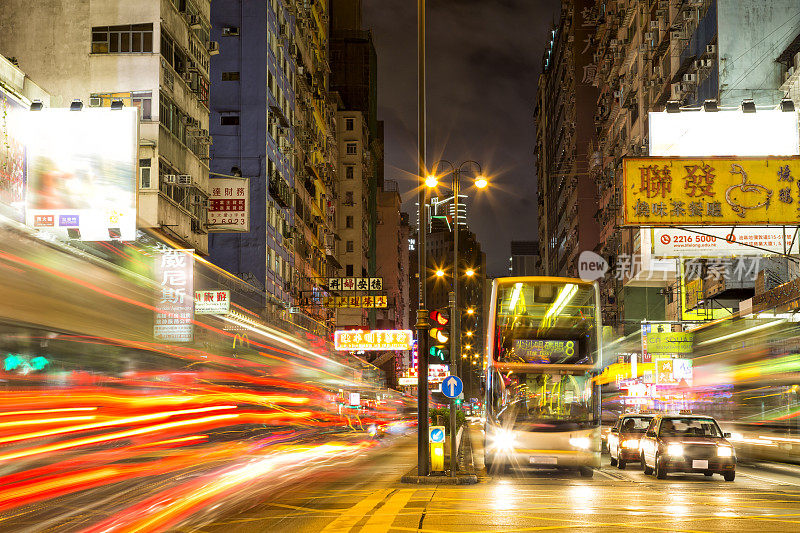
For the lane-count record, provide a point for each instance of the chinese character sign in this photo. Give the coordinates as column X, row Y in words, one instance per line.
column 174, row 302
column 229, row 205
column 357, row 340
column 12, row 157
column 212, row 302
column 721, row 191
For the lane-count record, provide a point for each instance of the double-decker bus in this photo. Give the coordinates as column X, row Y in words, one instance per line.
column 543, row 352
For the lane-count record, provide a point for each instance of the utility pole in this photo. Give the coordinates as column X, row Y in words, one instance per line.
column 423, row 449
column 456, row 321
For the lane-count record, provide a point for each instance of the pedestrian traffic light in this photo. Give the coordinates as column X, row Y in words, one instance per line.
column 438, row 331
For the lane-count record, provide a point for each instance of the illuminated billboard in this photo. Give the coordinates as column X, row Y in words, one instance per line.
column 717, row 191
column 213, row 302
column 357, row 340
column 174, row 314
column 229, row 205
column 82, row 169
column 721, row 242
column 12, row 158
column 733, row 133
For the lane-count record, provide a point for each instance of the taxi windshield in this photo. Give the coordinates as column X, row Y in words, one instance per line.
column 635, row 424
column 689, row 427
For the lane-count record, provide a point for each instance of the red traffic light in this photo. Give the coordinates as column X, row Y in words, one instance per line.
column 439, row 318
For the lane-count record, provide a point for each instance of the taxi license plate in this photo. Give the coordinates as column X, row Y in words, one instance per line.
column 697, row 463
column 544, row 460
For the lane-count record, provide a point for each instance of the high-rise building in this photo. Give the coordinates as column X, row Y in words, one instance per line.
column 646, row 54
column 564, row 109
column 253, row 107
column 353, row 76
column 355, row 175
column 524, row 260
column 154, row 55
column 390, row 251
column 274, row 122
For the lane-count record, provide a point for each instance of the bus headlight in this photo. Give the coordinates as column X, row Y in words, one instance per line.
column 675, row 450
column 724, row 451
column 631, row 443
column 503, row 440
column 580, row 442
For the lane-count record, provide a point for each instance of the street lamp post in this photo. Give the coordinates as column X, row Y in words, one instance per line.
column 455, row 343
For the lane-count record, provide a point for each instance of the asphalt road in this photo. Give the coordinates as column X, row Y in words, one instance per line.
column 367, row 497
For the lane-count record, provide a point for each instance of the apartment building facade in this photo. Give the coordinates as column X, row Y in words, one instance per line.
column 563, row 117
column 355, row 176
column 716, row 53
column 155, row 55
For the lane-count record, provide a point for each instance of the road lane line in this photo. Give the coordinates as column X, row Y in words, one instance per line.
column 382, row 519
column 767, row 480
column 350, row 517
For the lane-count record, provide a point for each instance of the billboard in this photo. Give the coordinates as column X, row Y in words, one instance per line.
column 358, row 340
column 229, row 205
column 174, row 303
column 722, row 242
column 658, row 338
column 716, row 191
column 674, row 372
column 214, row 302
column 82, row 168
column 12, row 158
column 699, row 134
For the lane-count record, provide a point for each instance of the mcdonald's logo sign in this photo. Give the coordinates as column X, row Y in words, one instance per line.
column 242, row 338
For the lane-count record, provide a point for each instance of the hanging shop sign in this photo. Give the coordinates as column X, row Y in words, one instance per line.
column 357, row 340
column 362, row 302
column 717, row 191
column 229, row 205
column 355, row 284
column 214, row 302
column 174, row 303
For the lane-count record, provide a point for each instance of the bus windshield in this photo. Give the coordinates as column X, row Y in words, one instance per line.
column 546, row 322
column 545, row 401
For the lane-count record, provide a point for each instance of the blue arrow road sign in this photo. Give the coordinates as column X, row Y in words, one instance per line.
column 437, row 434
column 452, row 386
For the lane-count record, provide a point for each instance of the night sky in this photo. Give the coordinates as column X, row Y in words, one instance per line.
column 484, row 59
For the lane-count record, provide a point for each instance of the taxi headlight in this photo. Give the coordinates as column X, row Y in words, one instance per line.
column 675, row 450
column 503, row 440
column 631, row 443
column 580, row 442
column 724, row 451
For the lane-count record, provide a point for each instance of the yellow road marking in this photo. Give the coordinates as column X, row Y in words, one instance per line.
column 382, row 519
column 350, row 517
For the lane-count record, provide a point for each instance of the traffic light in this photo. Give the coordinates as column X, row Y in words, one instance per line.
column 439, row 353
column 439, row 331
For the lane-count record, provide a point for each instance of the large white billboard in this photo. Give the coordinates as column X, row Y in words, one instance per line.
column 721, row 242
column 81, row 172
column 724, row 133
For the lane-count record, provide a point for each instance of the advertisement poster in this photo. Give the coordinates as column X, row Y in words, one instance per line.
column 174, row 302
column 721, row 242
column 229, row 205
column 12, row 159
column 719, row 191
column 82, row 172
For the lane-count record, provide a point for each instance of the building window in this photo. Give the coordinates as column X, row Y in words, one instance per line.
column 349, row 172
column 350, row 246
column 230, row 76
column 141, row 99
column 128, row 39
column 348, row 221
column 144, row 173
column 229, row 120
column 352, row 148
column 348, row 198
column 349, row 124
column 348, row 270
